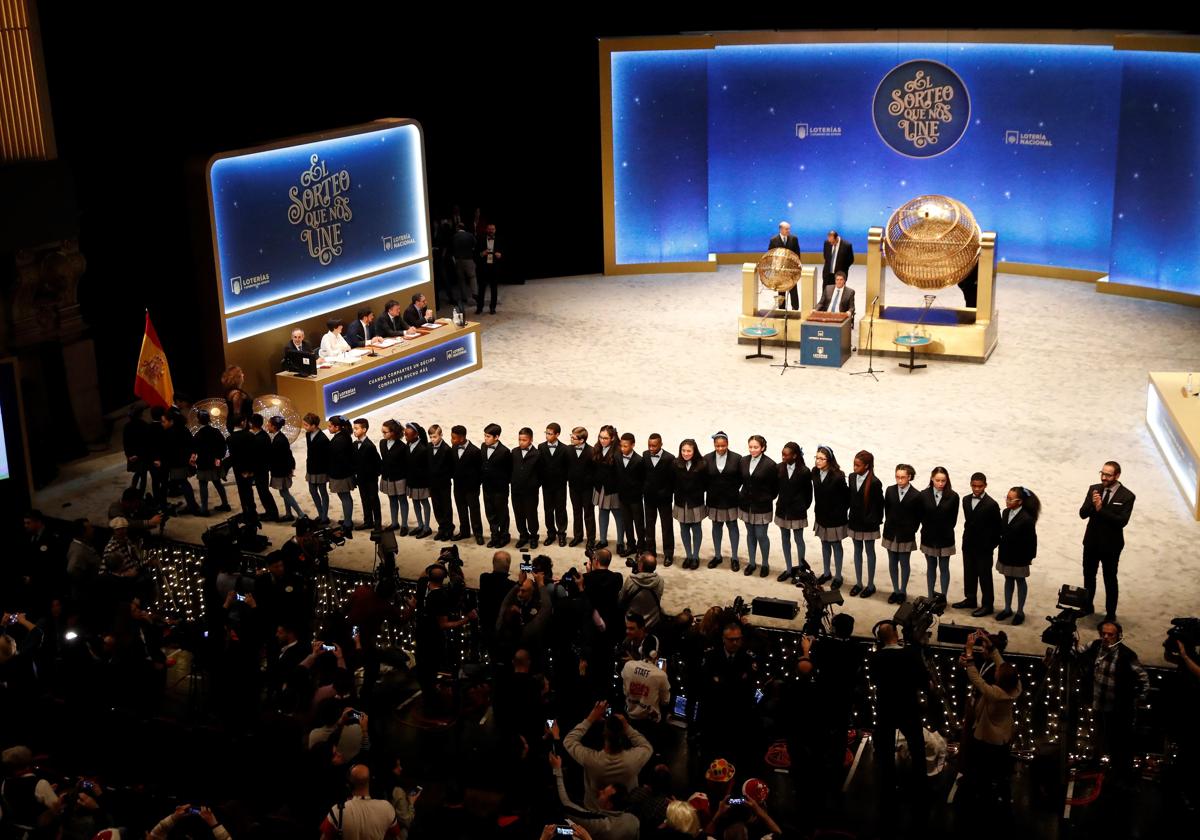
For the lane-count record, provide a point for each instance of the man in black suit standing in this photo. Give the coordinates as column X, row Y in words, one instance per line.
column 361, row 330
column 490, row 266
column 463, row 283
column 981, row 535
column 838, row 297
column 660, row 484
column 390, row 324
column 1107, row 508
column 784, row 239
column 526, row 478
column 495, row 476
column 418, row 312
column 839, row 256
column 631, row 484
column 468, row 473
column 262, row 467
column 579, row 480
column 553, row 459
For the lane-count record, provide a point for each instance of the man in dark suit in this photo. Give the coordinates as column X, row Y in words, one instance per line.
column 1107, row 508
column 839, row 256
column 900, row 676
column 981, row 535
column 297, row 343
column 462, row 285
column 526, row 479
column 631, row 484
column 660, row 473
column 602, row 586
column 262, row 467
column 784, row 239
column 468, row 473
column 361, row 330
column 390, row 324
column 493, row 586
column 418, row 312
column 555, row 463
column 579, row 480
column 489, row 268
column 495, row 475
column 838, row 297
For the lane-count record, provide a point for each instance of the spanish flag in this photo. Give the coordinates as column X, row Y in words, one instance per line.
column 153, row 380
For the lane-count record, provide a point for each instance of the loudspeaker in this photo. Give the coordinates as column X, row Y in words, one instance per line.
column 774, row 607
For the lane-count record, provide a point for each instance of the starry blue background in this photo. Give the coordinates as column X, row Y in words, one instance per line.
column 250, row 207
column 1155, row 233
column 1049, row 205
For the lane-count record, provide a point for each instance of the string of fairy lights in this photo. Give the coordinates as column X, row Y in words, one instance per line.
column 1038, row 712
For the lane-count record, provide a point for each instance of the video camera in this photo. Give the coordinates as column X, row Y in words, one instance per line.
column 1186, row 630
column 915, row 618
column 1072, row 601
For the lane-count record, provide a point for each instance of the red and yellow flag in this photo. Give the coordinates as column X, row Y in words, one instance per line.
column 153, row 380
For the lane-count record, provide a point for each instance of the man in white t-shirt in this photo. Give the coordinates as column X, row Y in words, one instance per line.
column 360, row 817
column 647, row 689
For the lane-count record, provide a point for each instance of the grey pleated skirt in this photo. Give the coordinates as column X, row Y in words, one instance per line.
column 791, row 524
column 864, row 535
column 724, row 514
column 208, row 475
column 604, row 501
column 892, row 545
column 756, row 518
column 689, row 515
column 417, row 493
column 316, row 478
column 284, row 483
column 943, row 551
column 1012, row 571
column 177, row 474
column 341, row 485
column 830, row 534
column 393, row 488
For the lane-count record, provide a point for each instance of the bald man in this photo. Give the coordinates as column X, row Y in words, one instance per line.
column 360, row 817
column 784, row 239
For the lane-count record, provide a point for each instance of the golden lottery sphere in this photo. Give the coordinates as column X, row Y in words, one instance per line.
column 931, row 242
column 217, row 410
column 274, row 405
column 778, row 270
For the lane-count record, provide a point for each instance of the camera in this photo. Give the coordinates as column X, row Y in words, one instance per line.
column 1061, row 632
column 329, row 647
column 450, row 556
column 527, row 568
column 564, row 831
column 239, row 596
column 916, row 618
column 354, row 716
column 1186, row 630
column 737, row 800
column 740, row 607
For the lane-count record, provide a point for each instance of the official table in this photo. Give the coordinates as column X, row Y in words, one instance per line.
column 402, row 370
column 1173, row 417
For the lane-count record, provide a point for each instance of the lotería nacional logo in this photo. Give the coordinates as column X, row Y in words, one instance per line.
column 921, row 109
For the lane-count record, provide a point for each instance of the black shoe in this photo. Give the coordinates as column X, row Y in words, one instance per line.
column 442, row 536
column 766, row 570
column 784, row 575
column 668, row 561
column 562, row 540
column 981, row 612
column 574, row 541
column 837, row 583
column 504, row 542
column 601, row 544
column 491, row 543
column 524, row 541
column 965, row 604
column 868, row 591
column 734, row 564
column 478, row 311
column 855, row 590
column 461, row 536
column 621, row 552
column 203, row 512
column 348, row 533
column 404, row 530
column 1005, row 613
column 222, row 508
column 533, row 542
column 716, row 561
column 823, row 579
column 428, row 532
column 479, row 539
column 895, row 598
column 751, row 568
column 1019, row 618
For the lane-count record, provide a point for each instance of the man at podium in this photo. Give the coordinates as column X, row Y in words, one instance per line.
column 784, row 239
column 838, row 297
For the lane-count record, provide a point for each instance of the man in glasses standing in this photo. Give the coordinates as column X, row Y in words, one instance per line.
column 1107, row 508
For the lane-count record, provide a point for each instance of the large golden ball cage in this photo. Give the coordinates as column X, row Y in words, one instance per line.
column 931, row 242
column 779, row 270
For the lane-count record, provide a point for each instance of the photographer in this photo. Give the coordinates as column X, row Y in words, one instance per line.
column 1118, row 683
column 899, row 676
column 606, row 818
column 624, row 754
column 643, row 590
column 133, row 507
column 987, row 746
column 190, row 820
column 523, row 620
column 433, row 620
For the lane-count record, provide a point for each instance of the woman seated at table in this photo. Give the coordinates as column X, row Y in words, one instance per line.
column 332, row 343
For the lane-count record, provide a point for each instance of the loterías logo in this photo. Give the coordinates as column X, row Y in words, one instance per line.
column 921, row 109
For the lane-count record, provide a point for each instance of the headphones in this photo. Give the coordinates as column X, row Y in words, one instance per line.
column 648, row 649
column 878, row 624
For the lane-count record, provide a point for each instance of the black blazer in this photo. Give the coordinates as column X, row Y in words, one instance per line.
column 262, row 451
column 241, row 451
column 497, row 470
column 413, row 316
column 210, row 447
column 938, row 521
column 554, row 468
column 901, row 518
column 283, row 463
column 792, row 244
column 366, row 462
column 419, row 468
column 388, row 327
column 865, row 514
column 831, row 499
column 468, row 468
column 631, row 479
column 304, row 346
column 526, row 472
column 689, row 485
column 723, row 485
column 845, row 259
column 759, row 488
column 393, row 460
column 845, row 303
column 1106, row 527
column 1018, row 539
column 318, row 453
column 580, row 469
column 341, row 455
column 357, row 334
column 441, row 465
column 981, row 526
column 178, row 445
column 795, row 493
column 660, row 480
column 604, row 469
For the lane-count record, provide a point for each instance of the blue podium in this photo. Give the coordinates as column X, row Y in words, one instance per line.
column 824, row 344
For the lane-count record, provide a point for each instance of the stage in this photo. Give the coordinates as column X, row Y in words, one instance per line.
column 1064, row 391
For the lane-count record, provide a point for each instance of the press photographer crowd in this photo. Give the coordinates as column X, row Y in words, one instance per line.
column 151, row 689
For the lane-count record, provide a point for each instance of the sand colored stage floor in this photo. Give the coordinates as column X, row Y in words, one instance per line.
column 1064, row 391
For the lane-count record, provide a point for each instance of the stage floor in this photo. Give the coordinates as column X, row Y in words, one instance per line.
column 1064, row 391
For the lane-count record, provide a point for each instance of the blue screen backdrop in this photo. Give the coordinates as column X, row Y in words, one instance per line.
column 1062, row 139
